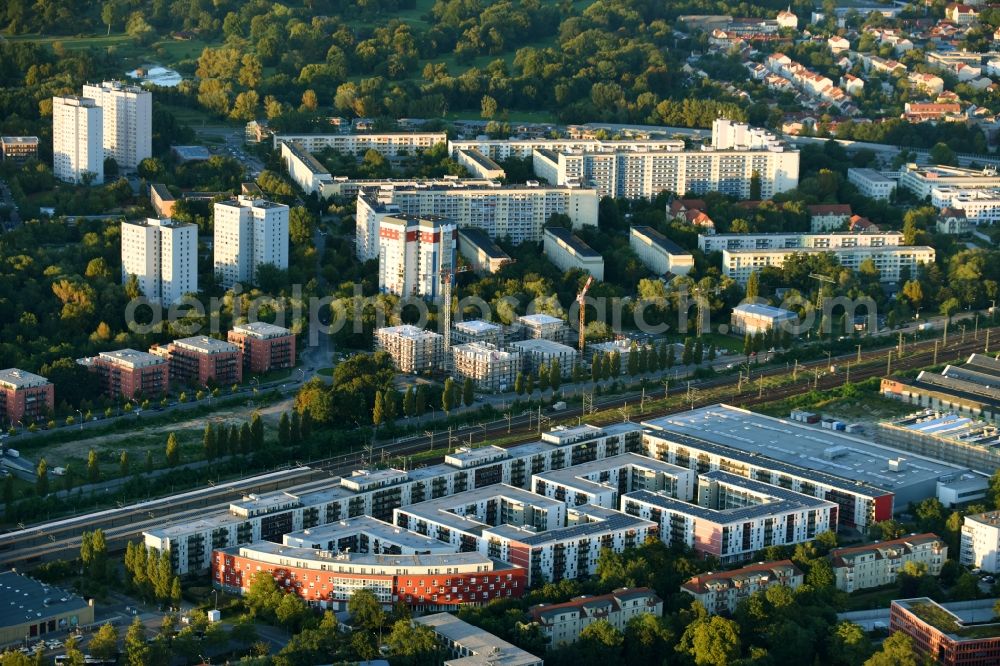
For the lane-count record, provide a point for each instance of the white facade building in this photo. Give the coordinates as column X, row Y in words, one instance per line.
column 890, row 260
column 541, row 351
column 981, row 206
column 753, row 318
column 389, row 144
column 921, row 180
column 163, row 255
column 415, row 255
column 249, row 232
column 878, row 564
column 77, row 139
column 562, row 624
column 128, row 121
column 567, row 251
column 871, row 183
column 981, row 541
column 721, row 592
column 797, row 240
column 413, row 349
column 658, row 253
column 305, row 170
column 489, row 368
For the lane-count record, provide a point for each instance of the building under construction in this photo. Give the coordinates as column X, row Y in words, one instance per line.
column 487, row 366
column 413, row 349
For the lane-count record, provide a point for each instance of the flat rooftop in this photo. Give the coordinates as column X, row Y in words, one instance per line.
column 858, row 249
column 261, row 329
column 607, row 520
column 262, row 549
column 442, row 509
column 191, row 153
column 482, row 241
column 805, row 447
column 870, row 174
column 948, row 621
column 775, row 500
column 659, row 240
column 542, row 346
column 131, row 358
column 762, row 310
column 24, row 600
column 477, row 327
column 407, row 331
column 540, row 319
column 481, row 160
column 576, row 476
column 386, row 533
column 573, row 241
column 206, row 345
column 19, row 140
column 15, row 378
column 307, row 158
column 162, row 192
column 485, row 648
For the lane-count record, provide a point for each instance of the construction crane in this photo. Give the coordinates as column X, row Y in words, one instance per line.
column 819, row 293
column 447, row 279
column 583, row 309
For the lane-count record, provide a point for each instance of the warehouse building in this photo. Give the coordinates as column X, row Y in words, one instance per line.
column 953, row 438
column 31, row 609
column 969, row 390
column 864, row 479
column 754, row 318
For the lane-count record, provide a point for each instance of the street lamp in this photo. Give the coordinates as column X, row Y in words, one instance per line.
column 81, row 418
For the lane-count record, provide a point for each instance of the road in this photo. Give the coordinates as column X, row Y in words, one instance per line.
column 49, row 541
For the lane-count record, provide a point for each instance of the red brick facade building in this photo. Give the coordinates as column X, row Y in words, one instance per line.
column 128, row 373
column 24, row 396
column 326, row 580
column 265, row 346
column 943, row 636
column 201, row 361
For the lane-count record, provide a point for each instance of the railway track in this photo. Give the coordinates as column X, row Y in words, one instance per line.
column 62, row 538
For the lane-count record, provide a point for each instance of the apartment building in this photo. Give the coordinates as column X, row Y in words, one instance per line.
column 871, row 183
column 328, row 579
column 416, row 254
column 797, row 240
column 722, row 591
column 892, row 261
column 921, row 180
column 562, row 624
column 129, row 374
column 754, row 318
column 163, row 255
column 484, row 255
column 468, row 645
column 477, row 330
column 658, row 253
column 945, row 637
column 18, row 149
column 413, row 349
column 162, row 199
column 24, row 397
column 541, row 326
column 828, row 217
column 479, row 165
column 501, row 149
column 621, row 346
column 77, row 140
column 305, row 170
column 980, row 545
column 734, row 516
column 391, row 144
column 200, row 361
column 738, row 155
column 377, row 493
column 265, row 347
column 877, row 564
column 489, row 367
column 568, row 251
column 127, row 120
column 249, row 232
column 515, row 212
column 537, row 352
column 979, row 206
column 346, row 187
column 603, row 482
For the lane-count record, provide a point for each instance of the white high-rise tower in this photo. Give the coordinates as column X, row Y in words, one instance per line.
column 249, row 232
column 77, row 134
column 163, row 255
column 128, row 121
